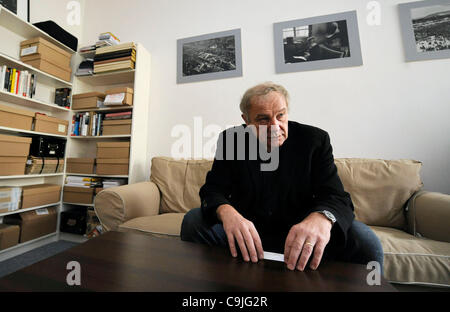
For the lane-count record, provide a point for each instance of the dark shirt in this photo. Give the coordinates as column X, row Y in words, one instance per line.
column 305, row 181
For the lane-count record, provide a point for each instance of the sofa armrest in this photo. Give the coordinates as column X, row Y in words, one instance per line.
column 117, row 205
column 428, row 215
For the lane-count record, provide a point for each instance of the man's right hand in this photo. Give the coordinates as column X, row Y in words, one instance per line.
column 242, row 231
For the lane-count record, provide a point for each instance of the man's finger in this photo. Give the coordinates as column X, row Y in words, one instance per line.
column 242, row 246
column 318, row 253
column 307, row 250
column 258, row 244
column 250, row 246
column 231, row 244
column 287, row 246
column 295, row 250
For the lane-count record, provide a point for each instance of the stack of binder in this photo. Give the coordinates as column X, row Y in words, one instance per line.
column 118, row 57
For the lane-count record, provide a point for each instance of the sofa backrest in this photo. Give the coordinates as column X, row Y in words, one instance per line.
column 379, row 188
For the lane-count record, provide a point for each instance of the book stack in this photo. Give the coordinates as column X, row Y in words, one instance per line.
column 118, row 116
column 18, row 82
column 112, row 58
column 83, row 182
column 87, row 124
column 106, row 39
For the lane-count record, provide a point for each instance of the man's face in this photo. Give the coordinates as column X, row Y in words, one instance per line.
column 270, row 111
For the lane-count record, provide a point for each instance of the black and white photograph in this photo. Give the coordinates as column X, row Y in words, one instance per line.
column 432, row 27
column 426, row 29
column 208, row 57
column 317, row 43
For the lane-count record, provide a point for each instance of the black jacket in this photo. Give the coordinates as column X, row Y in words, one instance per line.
column 306, row 181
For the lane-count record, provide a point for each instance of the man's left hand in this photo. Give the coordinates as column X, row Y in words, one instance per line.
column 310, row 235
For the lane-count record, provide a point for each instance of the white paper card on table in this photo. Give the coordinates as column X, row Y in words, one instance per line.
column 273, row 256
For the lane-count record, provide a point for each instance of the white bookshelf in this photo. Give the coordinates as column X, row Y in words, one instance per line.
column 14, row 131
column 14, row 30
column 86, row 146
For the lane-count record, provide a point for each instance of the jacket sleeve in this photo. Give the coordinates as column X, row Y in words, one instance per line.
column 217, row 188
column 328, row 191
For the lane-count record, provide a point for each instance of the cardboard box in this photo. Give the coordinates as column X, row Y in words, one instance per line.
column 50, row 125
column 40, row 195
column 78, row 195
column 128, row 94
column 10, row 198
column 87, row 100
column 46, row 50
column 10, row 166
column 43, row 165
column 34, row 224
column 14, row 146
column 113, row 150
column 116, row 127
column 98, row 190
column 80, row 165
column 9, row 236
column 49, row 68
column 15, row 118
column 112, row 166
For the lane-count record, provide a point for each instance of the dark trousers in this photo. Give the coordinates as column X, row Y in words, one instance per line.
column 362, row 247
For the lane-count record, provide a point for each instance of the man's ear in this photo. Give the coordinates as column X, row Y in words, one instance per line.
column 245, row 119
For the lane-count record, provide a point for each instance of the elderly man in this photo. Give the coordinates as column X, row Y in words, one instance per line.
column 299, row 208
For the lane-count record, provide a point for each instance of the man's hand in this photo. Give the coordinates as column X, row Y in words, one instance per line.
column 312, row 234
column 241, row 230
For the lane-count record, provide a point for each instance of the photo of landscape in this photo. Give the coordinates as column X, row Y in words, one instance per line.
column 431, row 27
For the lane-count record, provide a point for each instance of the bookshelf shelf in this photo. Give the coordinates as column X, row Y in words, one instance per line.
column 30, row 103
column 101, row 137
column 31, row 176
column 19, row 131
column 28, row 209
column 48, row 79
column 105, row 110
column 97, row 175
column 12, row 22
column 110, row 78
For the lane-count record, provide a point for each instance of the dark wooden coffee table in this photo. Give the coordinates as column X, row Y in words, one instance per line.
column 132, row 262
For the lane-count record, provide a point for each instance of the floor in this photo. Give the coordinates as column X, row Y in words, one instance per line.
column 22, row 261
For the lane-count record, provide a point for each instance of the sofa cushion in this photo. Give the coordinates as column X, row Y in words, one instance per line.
column 179, row 182
column 408, row 259
column 164, row 224
column 380, row 188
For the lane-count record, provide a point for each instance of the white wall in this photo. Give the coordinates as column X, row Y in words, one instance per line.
column 385, row 109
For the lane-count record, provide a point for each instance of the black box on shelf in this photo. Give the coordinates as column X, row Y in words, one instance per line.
column 47, row 147
column 62, row 97
column 74, row 221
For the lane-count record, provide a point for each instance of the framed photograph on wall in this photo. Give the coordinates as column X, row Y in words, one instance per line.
column 19, row 7
column 207, row 57
column 426, row 29
column 321, row 42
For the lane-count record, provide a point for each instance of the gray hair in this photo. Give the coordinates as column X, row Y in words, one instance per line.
column 261, row 90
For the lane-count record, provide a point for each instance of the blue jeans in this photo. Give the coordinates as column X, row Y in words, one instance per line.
column 363, row 245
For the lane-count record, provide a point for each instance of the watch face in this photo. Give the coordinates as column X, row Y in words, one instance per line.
column 330, row 216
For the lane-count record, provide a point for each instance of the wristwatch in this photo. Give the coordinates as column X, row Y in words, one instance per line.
column 329, row 216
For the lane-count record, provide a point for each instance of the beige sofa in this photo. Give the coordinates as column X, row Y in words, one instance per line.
column 413, row 225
